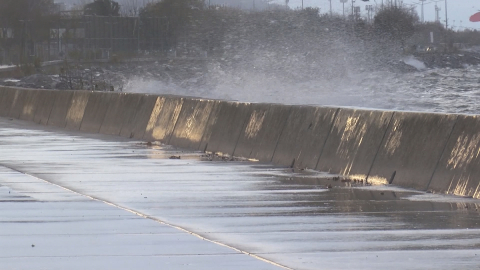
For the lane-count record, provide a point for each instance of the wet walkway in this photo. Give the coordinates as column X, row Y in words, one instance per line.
column 79, row 201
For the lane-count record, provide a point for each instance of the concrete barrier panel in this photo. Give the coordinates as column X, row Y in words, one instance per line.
column 458, row 170
column 136, row 122
column 2, row 94
column 353, row 142
column 112, row 123
column 17, row 104
column 30, row 105
column 191, row 123
column 118, row 112
column 60, row 108
column 411, row 149
column 95, row 111
column 8, row 95
column 76, row 109
column 212, row 119
column 163, row 119
column 262, row 131
column 229, row 123
column 45, row 100
column 153, row 117
column 304, row 137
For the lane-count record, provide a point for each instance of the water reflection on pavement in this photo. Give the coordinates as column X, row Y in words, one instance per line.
column 304, row 220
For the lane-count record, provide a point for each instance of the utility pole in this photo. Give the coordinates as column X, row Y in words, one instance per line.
column 302, row 4
column 343, row 3
column 446, row 26
column 423, row 18
column 353, row 15
column 437, row 13
column 138, row 34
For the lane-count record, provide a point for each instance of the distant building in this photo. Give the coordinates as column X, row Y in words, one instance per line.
column 6, row 33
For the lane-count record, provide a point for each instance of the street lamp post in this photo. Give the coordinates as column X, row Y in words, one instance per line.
column 446, row 15
column 423, row 18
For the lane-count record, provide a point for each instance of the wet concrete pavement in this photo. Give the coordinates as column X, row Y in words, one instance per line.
column 101, row 202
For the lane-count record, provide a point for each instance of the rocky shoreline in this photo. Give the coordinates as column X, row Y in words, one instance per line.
column 449, row 60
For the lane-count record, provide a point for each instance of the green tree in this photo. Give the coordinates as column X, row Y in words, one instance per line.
column 29, row 22
column 102, row 8
column 14, row 13
column 396, row 23
column 176, row 17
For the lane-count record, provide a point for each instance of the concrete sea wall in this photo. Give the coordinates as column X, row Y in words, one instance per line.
column 424, row 151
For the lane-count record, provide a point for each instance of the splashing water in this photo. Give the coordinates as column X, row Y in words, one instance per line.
column 434, row 90
column 412, row 61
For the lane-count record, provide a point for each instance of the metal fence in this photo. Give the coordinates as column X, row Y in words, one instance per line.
column 86, row 37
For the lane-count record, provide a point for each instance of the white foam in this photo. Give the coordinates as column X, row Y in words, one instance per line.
column 414, row 62
column 6, row 66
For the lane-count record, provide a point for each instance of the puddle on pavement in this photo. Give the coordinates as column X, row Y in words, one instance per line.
column 348, row 195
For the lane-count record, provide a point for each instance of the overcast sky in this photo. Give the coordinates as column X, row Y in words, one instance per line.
column 459, row 11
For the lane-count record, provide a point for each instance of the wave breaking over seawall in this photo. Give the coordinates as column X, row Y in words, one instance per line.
column 434, row 90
